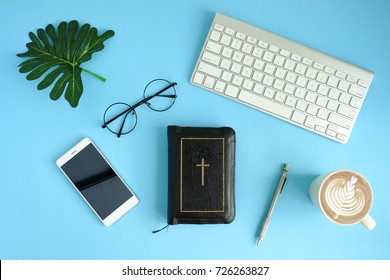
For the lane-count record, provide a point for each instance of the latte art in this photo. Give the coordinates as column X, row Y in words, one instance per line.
column 344, row 199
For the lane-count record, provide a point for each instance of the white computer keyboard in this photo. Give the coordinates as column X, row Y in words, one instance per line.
column 280, row 77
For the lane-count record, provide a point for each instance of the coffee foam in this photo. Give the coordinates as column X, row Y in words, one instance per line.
column 346, row 197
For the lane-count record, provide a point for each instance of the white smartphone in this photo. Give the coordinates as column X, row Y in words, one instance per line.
column 97, row 182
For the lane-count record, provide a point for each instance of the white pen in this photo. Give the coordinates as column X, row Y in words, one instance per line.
column 278, row 190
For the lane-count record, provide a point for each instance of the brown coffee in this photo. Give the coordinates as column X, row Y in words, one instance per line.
column 345, row 197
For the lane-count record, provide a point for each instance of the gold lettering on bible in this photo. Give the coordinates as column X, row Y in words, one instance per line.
column 203, row 165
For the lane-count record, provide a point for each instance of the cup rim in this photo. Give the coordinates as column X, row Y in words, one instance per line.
column 326, row 176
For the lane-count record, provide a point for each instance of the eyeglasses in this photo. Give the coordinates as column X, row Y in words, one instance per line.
column 125, row 114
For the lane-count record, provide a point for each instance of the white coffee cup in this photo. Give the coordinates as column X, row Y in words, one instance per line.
column 344, row 197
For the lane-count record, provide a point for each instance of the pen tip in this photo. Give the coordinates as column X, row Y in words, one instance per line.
column 286, row 166
column 258, row 241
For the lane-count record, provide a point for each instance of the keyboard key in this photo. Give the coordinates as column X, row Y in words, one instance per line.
column 311, row 73
column 291, row 101
column 307, row 61
column 279, row 84
column 236, row 68
column 291, row 77
column 290, row 65
column 301, row 81
column 301, row 69
column 322, row 77
column 332, row 81
column 280, row 73
column 310, row 121
column 218, row 27
column 208, row 69
column 265, row 104
column 269, row 69
column 347, row 111
column 296, row 57
column 331, row 132
column 329, row 70
column 247, row 48
column 198, row 78
column 340, row 120
column 247, row 72
column 219, row 86
column 268, row 56
column 230, row 31
column 232, row 91
column 247, row 84
column 301, row 105
column 237, row 80
column 209, row 82
column 300, row 93
column 236, row 44
column 212, row 58
column 258, row 76
column 251, row 40
column 312, row 109
column 362, row 83
column 319, row 128
column 285, row 53
column 332, row 105
column 340, row 75
column 213, row 47
column 226, row 63
column 280, row 97
column 289, row 88
column 311, row 97
column 318, row 66
column 322, row 89
column 279, row 60
column 356, row 90
column 227, row 76
column 238, row 56
column 227, row 52
column 343, row 85
column 248, row 60
column 215, row 36
column 269, row 92
column 341, row 137
column 273, row 48
column 258, row 52
column 268, row 80
column 262, row 44
column 345, row 98
column 240, row 35
column 258, row 64
column 258, row 89
column 355, row 102
column 226, row 40
column 298, row 117
column 352, row 79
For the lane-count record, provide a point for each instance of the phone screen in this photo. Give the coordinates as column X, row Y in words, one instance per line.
column 97, row 181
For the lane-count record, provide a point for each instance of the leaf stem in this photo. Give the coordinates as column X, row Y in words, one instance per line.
column 94, row 74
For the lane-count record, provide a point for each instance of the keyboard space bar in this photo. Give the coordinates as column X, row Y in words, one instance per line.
column 265, row 104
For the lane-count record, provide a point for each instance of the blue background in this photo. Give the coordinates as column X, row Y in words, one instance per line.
column 43, row 217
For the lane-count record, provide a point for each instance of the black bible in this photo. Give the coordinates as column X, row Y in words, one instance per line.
column 201, row 167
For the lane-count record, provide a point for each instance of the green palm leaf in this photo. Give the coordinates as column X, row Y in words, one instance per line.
column 60, row 53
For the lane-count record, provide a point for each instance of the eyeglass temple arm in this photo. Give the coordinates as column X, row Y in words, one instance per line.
column 138, row 104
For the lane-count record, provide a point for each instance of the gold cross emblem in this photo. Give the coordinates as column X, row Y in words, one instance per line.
column 203, row 165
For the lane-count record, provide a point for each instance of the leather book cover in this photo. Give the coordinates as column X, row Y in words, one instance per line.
column 201, row 168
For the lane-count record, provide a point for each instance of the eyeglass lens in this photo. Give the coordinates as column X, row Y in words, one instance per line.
column 120, row 118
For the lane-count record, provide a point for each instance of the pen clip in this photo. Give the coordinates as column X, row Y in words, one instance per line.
column 285, row 179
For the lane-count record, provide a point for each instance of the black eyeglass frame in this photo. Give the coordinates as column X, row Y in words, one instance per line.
column 131, row 109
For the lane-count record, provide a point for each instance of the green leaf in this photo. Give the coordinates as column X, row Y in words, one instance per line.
column 58, row 54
